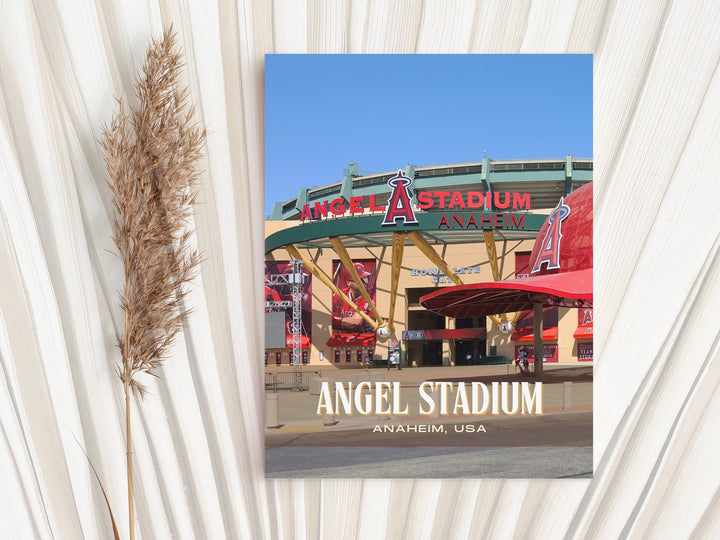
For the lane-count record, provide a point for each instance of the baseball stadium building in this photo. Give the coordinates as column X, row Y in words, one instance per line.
column 346, row 265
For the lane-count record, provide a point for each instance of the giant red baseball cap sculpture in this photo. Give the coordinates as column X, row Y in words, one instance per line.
column 561, row 269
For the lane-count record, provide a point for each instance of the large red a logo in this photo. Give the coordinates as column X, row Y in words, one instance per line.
column 399, row 205
column 550, row 247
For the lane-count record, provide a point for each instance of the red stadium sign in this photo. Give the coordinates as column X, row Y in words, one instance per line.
column 427, row 200
column 399, row 206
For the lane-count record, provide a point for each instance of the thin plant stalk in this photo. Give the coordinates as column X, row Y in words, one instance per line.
column 128, row 431
column 128, row 452
column 151, row 154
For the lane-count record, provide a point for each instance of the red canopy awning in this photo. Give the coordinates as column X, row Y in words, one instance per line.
column 566, row 289
column 304, row 341
column 584, row 332
column 351, row 340
column 526, row 334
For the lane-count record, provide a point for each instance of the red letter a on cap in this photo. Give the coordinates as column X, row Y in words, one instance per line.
column 550, row 247
column 399, row 205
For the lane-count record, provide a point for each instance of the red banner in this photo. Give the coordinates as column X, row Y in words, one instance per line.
column 457, row 333
column 585, row 352
column 348, row 326
column 522, row 264
column 585, row 324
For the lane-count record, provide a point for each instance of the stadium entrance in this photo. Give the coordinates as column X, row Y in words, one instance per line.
column 373, row 248
column 470, row 352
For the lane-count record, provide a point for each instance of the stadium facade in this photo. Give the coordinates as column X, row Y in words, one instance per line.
column 371, row 245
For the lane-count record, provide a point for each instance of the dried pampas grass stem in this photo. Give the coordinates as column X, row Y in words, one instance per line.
column 151, row 155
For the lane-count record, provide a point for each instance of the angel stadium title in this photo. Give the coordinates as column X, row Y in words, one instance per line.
column 472, row 399
column 399, row 206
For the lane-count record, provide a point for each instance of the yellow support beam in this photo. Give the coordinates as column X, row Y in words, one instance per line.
column 417, row 239
column 339, row 248
column 398, row 245
column 492, row 253
column 322, row 276
column 492, row 258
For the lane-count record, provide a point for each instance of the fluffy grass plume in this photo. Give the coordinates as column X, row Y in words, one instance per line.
column 151, row 155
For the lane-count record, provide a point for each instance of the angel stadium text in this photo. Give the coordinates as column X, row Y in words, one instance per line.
column 439, row 398
column 426, row 200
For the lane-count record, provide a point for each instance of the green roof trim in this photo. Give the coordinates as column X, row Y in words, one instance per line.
column 484, row 173
column 410, row 173
column 347, row 187
column 277, row 211
column 368, row 231
column 301, row 199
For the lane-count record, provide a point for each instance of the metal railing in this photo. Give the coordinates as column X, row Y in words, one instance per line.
column 288, row 380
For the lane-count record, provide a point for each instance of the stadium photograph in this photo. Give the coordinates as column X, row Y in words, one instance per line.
column 404, row 308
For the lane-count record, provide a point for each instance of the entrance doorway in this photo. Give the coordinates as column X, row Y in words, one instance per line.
column 469, row 352
column 432, row 353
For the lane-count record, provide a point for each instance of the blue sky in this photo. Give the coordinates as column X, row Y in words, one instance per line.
column 386, row 111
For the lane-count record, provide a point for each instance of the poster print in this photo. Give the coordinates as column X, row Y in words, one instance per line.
column 427, row 277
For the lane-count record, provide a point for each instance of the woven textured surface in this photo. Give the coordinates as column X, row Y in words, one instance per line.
column 199, row 436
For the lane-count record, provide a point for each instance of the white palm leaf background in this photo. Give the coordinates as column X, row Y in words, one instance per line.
column 198, row 436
